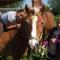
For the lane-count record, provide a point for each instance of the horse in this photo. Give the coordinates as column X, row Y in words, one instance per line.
column 14, row 42
column 45, row 20
column 31, row 19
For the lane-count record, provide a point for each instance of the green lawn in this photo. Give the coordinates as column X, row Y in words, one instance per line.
column 56, row 17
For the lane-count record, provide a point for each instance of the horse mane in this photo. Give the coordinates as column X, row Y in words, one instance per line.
column 50, row 23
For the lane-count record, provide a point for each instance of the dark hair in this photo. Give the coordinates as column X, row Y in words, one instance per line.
column 21, row 10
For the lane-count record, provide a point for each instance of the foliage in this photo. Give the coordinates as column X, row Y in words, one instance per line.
column 47, row 8
column 56, row 17
column 13, row 4
column 18, row 4
column 55, row 5
column 40, row 53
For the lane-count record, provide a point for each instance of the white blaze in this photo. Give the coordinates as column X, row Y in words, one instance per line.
column 32, row 41
column 34, row 22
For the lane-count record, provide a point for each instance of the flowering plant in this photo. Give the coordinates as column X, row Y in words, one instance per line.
column 40, row 52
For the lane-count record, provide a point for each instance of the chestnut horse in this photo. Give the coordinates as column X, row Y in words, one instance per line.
column 14, row 42
column 45, row 20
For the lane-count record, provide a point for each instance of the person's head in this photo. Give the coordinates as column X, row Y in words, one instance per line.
column 20, row 15
column 21, row 12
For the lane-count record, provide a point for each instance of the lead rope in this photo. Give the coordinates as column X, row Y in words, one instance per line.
column 40, row 37
column 43, row 34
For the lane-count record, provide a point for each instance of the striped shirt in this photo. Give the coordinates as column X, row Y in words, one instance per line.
column 8, row 17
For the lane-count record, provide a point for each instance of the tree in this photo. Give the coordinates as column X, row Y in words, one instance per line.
column 55, row 5
column 11, row 3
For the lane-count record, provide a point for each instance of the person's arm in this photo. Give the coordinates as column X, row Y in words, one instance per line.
column 13, row 26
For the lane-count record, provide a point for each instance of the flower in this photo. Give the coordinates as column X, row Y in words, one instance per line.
column 41, row 52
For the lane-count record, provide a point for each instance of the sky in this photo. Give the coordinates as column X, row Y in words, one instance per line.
column 45, row 1
column 29, row 2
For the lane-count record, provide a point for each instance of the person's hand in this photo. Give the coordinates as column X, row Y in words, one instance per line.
column 53, row 40
column 18, row 25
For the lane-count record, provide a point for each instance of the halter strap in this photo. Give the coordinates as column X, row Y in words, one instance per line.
column 40, row 37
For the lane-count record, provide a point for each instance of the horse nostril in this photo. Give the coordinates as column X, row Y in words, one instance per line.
column 42, row 23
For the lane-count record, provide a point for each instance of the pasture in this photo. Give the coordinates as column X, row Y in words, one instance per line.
column 56, row 17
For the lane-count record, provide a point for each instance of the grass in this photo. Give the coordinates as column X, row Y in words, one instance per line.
column 26, row 58
column 56, row 17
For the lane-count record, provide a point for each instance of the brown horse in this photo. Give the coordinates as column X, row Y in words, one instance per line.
column 48, row 20
column 39, row 25
column 45, row 19
column 6, row 37
column 14, row 42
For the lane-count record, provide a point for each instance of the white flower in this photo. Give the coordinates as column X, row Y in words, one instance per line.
column 42, row 53
column 39, row 50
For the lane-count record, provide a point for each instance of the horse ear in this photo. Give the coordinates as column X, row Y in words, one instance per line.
column 27, row 9
column 26, row 6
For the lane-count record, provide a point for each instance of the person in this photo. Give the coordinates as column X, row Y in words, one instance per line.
column 12, row 19
column 55, row 42
column 52, row 48
column 57, row 34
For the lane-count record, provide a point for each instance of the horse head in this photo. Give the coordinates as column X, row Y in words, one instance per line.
column 36, row 19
